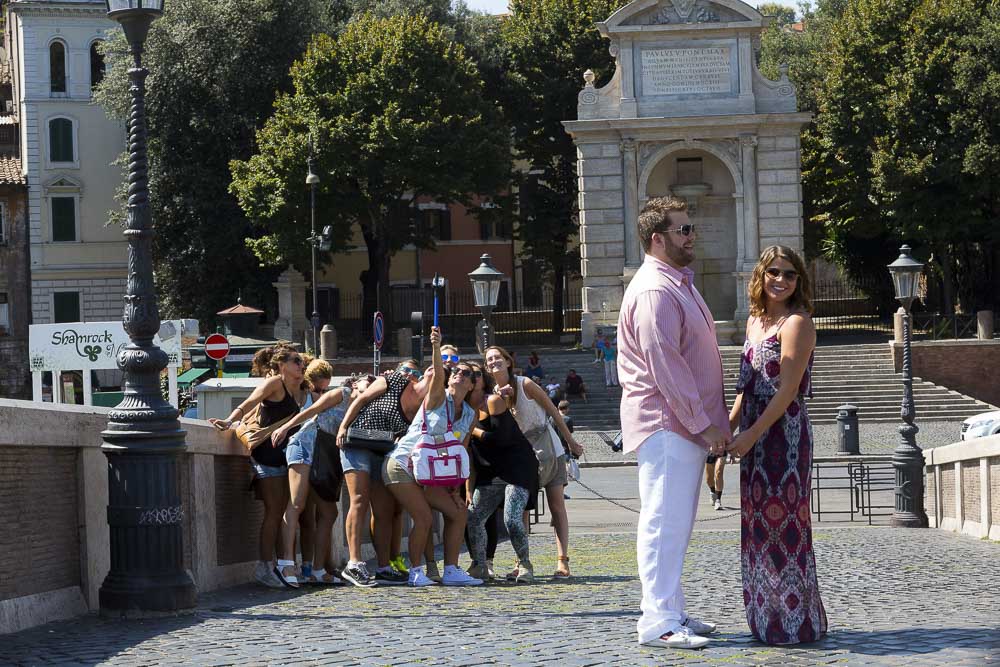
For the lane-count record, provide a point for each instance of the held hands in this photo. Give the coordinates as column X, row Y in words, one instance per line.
column 743, row 443
column 435, row 336
column 506, row 391
column 716, row 439
column 341, row 437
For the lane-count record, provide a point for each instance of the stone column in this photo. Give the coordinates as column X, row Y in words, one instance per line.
column 630, row 191
column 748, row 151
column 292, row 322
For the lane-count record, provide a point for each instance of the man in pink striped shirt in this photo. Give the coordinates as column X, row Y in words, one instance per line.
column 673, row 413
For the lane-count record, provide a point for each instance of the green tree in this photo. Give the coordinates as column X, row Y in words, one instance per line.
column 215, row 68
column 398, row 112
column 907, row 139
column 783, row 14
column 550, row 44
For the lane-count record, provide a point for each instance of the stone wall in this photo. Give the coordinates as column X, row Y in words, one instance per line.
column 780, row 191
column 956, row 364
column 963, row 487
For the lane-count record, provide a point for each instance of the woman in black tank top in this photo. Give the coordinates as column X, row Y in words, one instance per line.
column 279, row 396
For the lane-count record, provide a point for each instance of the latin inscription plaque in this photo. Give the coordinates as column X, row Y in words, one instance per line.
column 692, row 71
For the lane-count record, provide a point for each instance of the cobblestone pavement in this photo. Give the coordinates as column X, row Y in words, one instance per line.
column 894, row 597
column 876, row 438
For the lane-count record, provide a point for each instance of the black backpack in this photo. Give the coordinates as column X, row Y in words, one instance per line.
column 326, row 473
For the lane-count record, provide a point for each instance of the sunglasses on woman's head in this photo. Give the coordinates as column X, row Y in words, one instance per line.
column 411, row 371
column 788, row 274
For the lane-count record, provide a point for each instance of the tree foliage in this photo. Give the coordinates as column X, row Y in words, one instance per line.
column 907, row 141
column 397, row 112
column 215, row 68
column 550, row 44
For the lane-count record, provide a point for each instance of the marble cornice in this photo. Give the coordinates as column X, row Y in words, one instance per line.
column 729, row 125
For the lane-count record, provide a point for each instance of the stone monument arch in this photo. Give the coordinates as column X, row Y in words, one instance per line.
column 686, row 113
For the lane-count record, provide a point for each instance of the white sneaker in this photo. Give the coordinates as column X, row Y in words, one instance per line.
column 454, row 576
column 682, row 637
column 699, row 627
column 717, row 504
column 418, row 578
column 264, row 575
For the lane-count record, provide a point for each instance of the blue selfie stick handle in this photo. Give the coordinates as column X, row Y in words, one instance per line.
column 435, row 308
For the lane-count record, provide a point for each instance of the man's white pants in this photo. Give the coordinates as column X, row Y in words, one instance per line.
column 670, row 470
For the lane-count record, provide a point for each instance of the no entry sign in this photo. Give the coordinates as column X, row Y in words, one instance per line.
column 378, row 330
column 217, row 347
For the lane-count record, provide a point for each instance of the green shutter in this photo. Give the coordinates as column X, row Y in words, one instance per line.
column 60, row 140
column 63, row 219
column 66, row 306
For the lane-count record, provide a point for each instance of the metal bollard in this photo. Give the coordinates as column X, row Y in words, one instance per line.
column 848, row 441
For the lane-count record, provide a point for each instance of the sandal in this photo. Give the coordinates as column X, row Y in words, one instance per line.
column 323, row 578
column 285, row 570
column 562, row 569
column 512, row 575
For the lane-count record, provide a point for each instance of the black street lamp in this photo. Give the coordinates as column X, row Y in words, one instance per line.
column 908, row 459
column 312, row 180
column 144, row 441
column 486, row 288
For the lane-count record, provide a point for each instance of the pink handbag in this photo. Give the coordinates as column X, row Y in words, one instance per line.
column 439, row 460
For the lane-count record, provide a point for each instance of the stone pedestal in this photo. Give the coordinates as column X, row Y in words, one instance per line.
column 897, row 325
column 328, row 342
column 984, row 324
column 403, row 343
column 292, row 322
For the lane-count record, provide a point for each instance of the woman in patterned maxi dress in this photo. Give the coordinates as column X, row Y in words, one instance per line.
column 775, row 445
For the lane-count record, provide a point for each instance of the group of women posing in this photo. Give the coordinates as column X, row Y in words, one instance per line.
column 506, row 423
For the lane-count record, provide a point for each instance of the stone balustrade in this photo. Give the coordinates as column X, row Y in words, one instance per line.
column 963, row 487
column 54, row 495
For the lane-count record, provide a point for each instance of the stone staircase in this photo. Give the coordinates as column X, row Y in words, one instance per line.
column 858, row 374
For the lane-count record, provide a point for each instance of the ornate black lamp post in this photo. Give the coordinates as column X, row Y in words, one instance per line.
column 908, row 459
column 312, row 180
column 486, row 288
column 143, row 441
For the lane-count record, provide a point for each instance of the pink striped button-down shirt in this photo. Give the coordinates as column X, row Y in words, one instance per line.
column 668, row 359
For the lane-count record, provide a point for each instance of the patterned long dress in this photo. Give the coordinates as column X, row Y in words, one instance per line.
column 780, row 591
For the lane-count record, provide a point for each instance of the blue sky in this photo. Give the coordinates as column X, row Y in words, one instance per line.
column 500, row 6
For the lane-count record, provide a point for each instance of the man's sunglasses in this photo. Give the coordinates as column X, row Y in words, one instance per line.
column 466, row 373
column 685, row 230
column 788, row 274
column 453, row 358
column 418, row 374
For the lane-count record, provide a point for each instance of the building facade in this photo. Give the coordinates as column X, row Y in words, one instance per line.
column 68, row 147
column 15, row 286
column 687, row 114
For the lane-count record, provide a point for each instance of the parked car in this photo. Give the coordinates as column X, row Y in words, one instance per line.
column 986, row 423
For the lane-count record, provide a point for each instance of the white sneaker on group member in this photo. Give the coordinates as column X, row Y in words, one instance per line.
column 717, row 504
column 454, row 576
column 418, row 578
column 264, row 574
column 699, row 627
column 682, row 637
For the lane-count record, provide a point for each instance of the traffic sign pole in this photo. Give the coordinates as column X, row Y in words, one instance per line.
column 378, row 336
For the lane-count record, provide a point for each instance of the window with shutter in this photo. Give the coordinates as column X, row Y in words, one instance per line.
column 57, row 67
column 96, row 64
column 63, row 219
column 61, row 140
column 66, row 307
column 4, row 314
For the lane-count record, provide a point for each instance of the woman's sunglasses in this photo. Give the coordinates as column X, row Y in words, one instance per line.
column 296, row 360
column 788, row 274
column 453, row 358
column 467, row 373
column 411, row 371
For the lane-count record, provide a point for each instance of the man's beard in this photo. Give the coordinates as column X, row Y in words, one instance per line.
column 679, row 255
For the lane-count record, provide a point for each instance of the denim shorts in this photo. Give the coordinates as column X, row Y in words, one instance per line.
column 263, row 472
column 362, row 460
column 299, row 452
